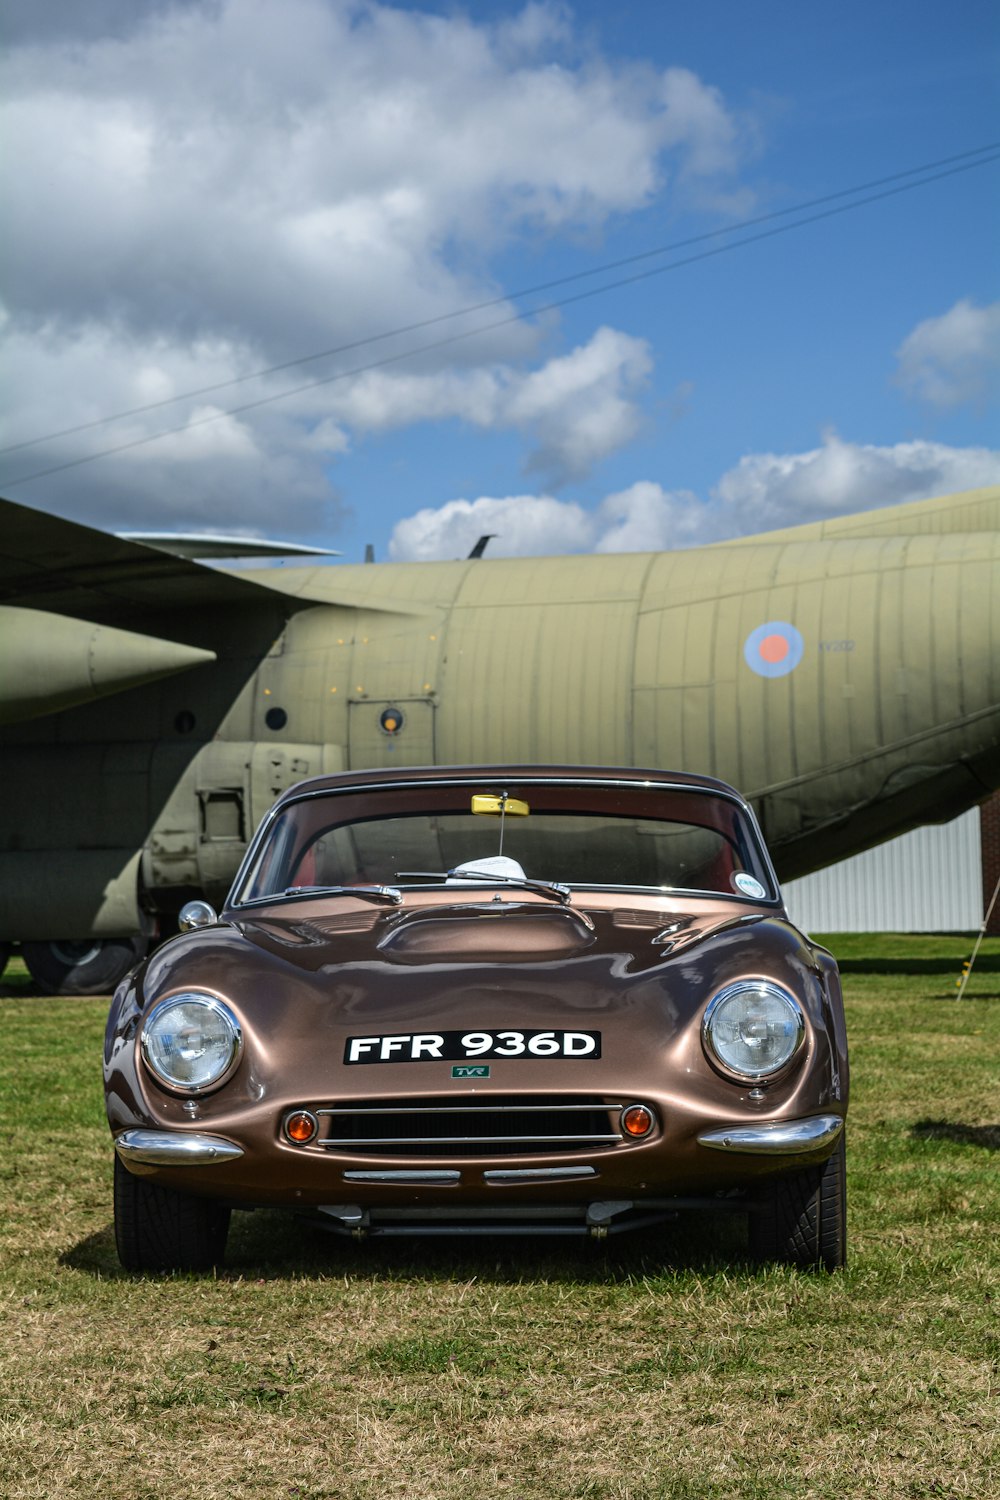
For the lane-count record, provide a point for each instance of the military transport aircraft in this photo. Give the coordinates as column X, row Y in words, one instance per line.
column 844, row 675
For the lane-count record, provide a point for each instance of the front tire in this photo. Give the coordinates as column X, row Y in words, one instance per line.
column 91, row 967
column 158, row 1229
column 801, row 1220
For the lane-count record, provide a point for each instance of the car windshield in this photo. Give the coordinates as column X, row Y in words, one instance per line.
column 584, row 835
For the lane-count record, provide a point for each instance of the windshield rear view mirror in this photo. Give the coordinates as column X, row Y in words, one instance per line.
column 497, row 806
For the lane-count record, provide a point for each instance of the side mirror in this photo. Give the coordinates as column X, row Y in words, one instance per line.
column 196, row 914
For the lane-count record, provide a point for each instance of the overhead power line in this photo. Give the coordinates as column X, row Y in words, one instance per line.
column 512, row 296
column 922, row 176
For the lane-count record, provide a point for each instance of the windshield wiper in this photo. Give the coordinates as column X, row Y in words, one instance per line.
column 372, row 892
column 550, row 888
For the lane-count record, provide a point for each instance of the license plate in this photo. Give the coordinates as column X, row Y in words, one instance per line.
column 461, row 1046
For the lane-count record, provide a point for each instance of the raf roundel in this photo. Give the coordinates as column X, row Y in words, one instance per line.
column 774, row 649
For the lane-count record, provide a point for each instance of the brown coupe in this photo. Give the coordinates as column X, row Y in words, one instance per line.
column 485, row 999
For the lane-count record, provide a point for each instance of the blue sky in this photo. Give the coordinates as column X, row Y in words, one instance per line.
column 199, row 191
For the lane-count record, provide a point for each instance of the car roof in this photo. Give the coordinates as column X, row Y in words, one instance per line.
column 429, row 775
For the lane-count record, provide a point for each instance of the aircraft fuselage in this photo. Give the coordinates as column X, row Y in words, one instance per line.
column 849, row 688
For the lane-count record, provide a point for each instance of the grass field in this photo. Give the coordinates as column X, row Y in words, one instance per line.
column 655, row 1366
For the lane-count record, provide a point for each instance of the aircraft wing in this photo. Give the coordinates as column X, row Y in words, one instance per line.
column 56, row 565
column 47, row 563
column 202, row 545
column 85, row 614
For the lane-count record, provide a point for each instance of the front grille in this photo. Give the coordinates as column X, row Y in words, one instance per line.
column 452, row 1127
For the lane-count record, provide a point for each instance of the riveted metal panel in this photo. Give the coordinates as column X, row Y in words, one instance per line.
column 396, row 656
column 370, row 745
column 534, row 680
column 276, row 765
column 896, row 652
column 539, row 661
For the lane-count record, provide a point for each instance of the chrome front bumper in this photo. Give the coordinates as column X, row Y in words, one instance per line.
column 168, row 1148
column 775, row 1137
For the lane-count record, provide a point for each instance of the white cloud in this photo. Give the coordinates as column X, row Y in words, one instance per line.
column 579, row 405
column 27, row 20
column 766, row 491
column 212, row 474
column 643, row 518
column 954, row 358
column 298, row 171
column 763, row 492
column 233, row 183
column 699, row 121
column 571, row 412
column 648, row 518
column 523, row 526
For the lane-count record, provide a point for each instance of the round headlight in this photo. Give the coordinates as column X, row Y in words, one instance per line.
column 752, row 1028
column 191, row 1042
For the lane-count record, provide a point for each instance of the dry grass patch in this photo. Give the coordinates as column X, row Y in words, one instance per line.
column 656, row 1367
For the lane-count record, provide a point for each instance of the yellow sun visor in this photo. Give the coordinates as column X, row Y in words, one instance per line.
column 493, row 805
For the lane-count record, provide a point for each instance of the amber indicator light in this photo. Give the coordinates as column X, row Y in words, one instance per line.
column 637, row 1120
column 301, row 1127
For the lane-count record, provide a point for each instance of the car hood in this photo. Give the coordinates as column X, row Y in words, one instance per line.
column 307, row 982
column 487, row 963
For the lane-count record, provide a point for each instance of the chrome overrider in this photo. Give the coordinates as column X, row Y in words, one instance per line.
column 167, row 1148
column 775, row 1137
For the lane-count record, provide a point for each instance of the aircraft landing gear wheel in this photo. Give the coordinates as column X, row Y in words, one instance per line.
column 91, row 967
column 802, row 1220
column 157, row 1229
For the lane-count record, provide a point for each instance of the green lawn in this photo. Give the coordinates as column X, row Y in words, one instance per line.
column 659, row 1365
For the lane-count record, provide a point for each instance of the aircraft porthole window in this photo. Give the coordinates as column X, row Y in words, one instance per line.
column 276, row 718
column 185, row 721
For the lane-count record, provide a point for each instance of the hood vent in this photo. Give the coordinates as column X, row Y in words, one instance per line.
column 498, row 931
